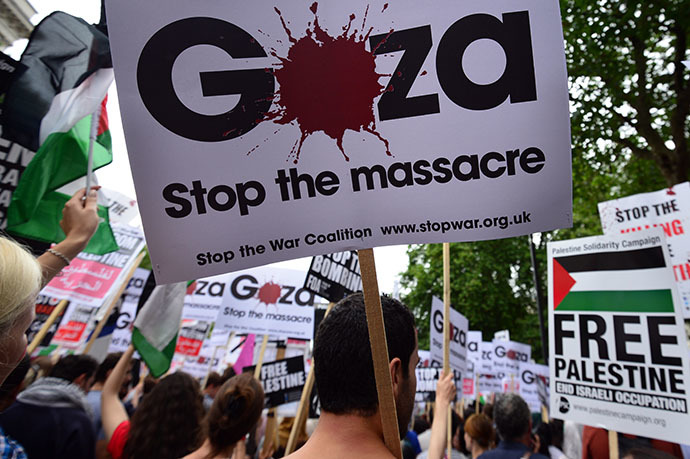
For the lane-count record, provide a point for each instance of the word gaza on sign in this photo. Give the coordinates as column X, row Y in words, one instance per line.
column 282, row 380
column 296, row 129
column 619, row 356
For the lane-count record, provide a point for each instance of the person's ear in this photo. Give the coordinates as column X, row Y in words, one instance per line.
column 395, row 367
column 81, row 381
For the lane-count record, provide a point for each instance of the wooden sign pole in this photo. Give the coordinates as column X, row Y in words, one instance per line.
column 379, row 352
column 303, row 409
column 476, row 397
column 270, row 437
column 46, row 326
column 446, row 334
column 113, row 302
column 260, row 361
column 213, row 358
column 613, row 444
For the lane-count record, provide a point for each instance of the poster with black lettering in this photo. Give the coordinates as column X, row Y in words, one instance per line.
column 282, row 380
column 122, row 335
column 508, row 356
column 13, row 161
column 243, row 124
column 90, row 278
column 267, row 301
column 530, row 373
column 668, row 209
column 458, row 337
column 334, row 276
column 73, row 329
column 474, row 338
column 191, row 336
column 427, row 378
column 44, row 307
column 204, row 304
column 619, row 357
column 486, row 365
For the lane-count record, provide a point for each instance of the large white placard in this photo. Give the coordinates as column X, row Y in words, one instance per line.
column 668, row 209
column 268, row 301
column 529, row 387
column 122, row 335
column 243, row 124
column 619, row 356
column 458, row 337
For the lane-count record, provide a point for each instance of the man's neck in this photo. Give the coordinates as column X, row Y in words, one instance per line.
column 346, row 436
column 97, row 386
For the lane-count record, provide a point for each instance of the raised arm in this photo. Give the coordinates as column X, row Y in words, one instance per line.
column 445, row 394
column 79, row 222
column 112, row 411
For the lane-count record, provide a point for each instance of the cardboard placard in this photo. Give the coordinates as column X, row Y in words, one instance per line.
column 458, row 336
column 508, row 356
column 334, row 276
column 619, row 357
column 238, row 143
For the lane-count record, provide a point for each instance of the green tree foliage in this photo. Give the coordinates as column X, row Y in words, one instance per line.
column 630, row 105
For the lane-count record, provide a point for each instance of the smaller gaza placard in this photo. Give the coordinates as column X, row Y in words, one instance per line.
column 282, row 380
column 458, row 337
column 619, row 356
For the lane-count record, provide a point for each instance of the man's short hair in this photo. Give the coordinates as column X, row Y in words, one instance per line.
column 71, row 367
column 511, row 416
column 214, row 380
column 342, row 354
column 106, row 365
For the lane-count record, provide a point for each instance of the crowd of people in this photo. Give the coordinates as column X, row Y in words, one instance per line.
column 80, row 408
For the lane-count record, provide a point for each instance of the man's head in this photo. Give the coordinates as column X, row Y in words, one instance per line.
column 343, row 364
column 512, row 418
column 77, row 369
column 106, row 367
column 213, row 383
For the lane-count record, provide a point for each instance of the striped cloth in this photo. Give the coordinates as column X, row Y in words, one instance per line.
column 10, row 449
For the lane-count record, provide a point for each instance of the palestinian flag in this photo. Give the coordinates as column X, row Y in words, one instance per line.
column 69, row 71
column 157, row 325
column 49, row 109
column 610, row 282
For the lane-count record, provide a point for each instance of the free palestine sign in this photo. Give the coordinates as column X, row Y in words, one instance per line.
column 619, row 358
column 294, row 129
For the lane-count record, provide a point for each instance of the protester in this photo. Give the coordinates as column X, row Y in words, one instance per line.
column 13, row 383
column 166, row 424
column 350, row 422
column 479, row 434
column 233, row 414
column 94, row 395
column 556, row 429
column 542, row 437
column 514, row 425
column 445, row 394
column 595, row 444
column 52, row 418
column 213, row 383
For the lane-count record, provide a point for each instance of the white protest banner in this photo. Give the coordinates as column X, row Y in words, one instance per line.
column 529, row 388
column 198, row 366
column 668, row 209
column 45, row 305
column 122, row 335
column 489, row 383
column 619, row 357
column 267, row 301
column 121, row 208
column 204, row 303
column 242, row 124
column 508, row 356
column 502, row 335
column 474, row 338
column 458, row 336
column 334, row 276
column 72, row 330
column 90, row 279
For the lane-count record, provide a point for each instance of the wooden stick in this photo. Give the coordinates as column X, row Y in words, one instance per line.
column 113, row 302
column 270, row 437
column 544, row 415
column 303, row 409
column 260, row 361
column 46, row 326
column 476, row 395
column 613, row 444
column 446, row 333
column 379, row 352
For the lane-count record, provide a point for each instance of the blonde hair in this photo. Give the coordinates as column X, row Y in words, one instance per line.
column 20, row 281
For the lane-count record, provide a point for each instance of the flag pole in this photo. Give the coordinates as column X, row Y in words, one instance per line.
column 95, row 118
column 446, row 334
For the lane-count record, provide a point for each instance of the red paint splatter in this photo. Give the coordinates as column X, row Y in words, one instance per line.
column 269, row 293
column 385, row 5
column 327, row 83
column 423, row 73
